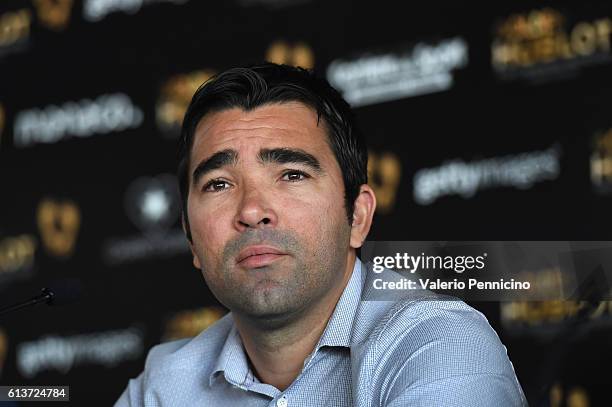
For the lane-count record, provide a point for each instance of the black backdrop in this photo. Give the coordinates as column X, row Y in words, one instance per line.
column 514, row 143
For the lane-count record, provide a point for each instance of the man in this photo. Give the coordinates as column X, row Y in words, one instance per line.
column 273, row 178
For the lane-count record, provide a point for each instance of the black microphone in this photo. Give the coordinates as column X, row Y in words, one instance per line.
column 58, row 293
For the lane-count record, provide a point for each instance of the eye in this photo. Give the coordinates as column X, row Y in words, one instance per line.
column 294, row 176
column 216, row 185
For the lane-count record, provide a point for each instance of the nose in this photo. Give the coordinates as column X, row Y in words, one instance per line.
column 254, row 210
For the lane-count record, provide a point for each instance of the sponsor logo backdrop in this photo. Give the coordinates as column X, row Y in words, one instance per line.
column 487, row 122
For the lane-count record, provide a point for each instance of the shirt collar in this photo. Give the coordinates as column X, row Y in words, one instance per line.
column 338, row 331
column 233, row 362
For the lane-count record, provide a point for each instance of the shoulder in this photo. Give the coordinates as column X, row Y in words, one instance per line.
column 419, row 343
column 412, row 321
column 452, row 327
column 386, row 313
column 184, row 363
column 190, row 353
column 428, row 319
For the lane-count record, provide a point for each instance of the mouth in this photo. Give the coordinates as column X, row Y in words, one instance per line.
column 258, row 256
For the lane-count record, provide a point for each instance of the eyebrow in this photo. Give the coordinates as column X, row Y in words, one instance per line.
column 266, row 156
column 217, row 160
column 289, row 156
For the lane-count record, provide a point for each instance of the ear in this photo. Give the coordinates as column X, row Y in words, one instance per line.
column 365, row 205
column 196, row 261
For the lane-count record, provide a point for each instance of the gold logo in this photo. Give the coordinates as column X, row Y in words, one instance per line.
column 190, row 323
column 3, row 348
column 540, row 36
column 532, row 25
column 298, row 54
column 16, row 253
column 14, row 26
column 384, row 174
column 54, row 14
column 546, row 283
column 601, row 160
column 576, row 397
column 59, row 225
column 174, row 98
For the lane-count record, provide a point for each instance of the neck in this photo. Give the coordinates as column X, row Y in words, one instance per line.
column 277, row 355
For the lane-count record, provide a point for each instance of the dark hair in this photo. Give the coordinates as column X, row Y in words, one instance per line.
column 257, row 85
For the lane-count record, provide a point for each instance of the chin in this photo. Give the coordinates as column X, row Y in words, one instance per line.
column 269, row 309
column 271, row 320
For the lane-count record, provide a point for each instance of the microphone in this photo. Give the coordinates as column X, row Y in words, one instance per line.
column 61, row 292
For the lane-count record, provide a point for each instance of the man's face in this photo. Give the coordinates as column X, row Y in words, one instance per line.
column 266, row 210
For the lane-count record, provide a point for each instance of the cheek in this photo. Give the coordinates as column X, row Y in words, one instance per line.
column 208, row 229
column 313, row 215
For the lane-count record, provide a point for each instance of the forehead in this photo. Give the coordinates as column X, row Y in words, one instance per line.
column 290, row 124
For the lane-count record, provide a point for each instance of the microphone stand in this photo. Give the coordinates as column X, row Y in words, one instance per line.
column 46, row 296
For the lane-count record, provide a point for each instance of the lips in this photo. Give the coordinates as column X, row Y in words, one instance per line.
column 258, row 256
